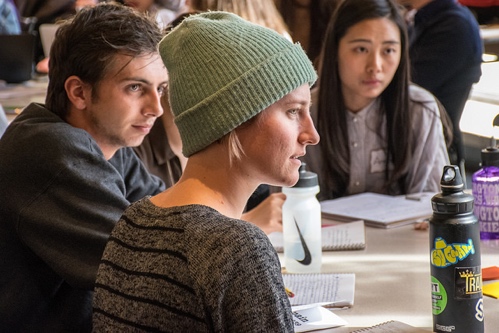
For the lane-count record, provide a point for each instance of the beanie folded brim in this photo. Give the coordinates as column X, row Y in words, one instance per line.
column 206, row 122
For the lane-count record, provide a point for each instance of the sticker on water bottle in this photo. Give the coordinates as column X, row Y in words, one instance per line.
column 438, row 296
column 446, row 254
column 468, row 282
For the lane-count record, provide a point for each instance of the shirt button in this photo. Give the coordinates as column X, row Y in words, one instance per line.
column 355, row 144
column 355, row 119
column 357, row 183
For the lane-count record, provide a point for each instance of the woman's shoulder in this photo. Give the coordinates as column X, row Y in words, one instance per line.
column 210, row 225
column 226, row 227
column 423, row 102
column 420, row 94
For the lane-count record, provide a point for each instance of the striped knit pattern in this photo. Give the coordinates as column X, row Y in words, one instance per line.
column 188, row 269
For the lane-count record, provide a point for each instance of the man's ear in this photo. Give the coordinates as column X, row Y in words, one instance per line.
column 78, row 92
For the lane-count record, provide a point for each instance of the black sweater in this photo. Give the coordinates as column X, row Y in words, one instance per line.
column 59, row 200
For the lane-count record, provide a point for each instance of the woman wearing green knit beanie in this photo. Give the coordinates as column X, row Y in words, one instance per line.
column 183, row 260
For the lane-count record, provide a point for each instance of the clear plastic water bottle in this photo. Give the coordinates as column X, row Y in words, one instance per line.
column 301, row 219
column 456, row 274
column 485, row 184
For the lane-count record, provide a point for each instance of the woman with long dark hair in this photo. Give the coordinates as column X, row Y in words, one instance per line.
column 379, row 133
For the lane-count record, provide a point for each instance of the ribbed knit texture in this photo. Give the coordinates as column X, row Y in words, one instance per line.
column 224, row 70
column 189, row 269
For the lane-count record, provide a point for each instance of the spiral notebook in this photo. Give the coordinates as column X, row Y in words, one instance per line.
column 335, row 237
column 392, row 326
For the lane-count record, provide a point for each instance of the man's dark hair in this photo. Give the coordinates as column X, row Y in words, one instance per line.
column 86, row 45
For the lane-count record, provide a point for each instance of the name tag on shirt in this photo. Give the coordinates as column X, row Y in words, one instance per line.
column 378, row 161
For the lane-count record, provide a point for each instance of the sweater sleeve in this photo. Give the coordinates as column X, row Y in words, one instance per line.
column 240, row 278
column 138, row 181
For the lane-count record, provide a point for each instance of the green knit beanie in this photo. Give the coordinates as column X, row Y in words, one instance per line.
column 224, row 70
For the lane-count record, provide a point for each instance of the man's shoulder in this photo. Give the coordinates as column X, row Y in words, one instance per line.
column 36, row 128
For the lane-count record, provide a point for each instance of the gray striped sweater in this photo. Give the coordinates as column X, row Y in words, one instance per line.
column 188, row 269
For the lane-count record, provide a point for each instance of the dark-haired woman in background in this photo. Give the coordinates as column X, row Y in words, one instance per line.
column 379, row 133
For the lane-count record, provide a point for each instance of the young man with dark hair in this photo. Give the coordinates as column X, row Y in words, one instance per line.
column 67, row 171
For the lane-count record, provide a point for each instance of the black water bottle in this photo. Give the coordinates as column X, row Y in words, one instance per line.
column 456, row 275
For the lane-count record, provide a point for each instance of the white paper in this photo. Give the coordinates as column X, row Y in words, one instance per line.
column 341, row 236
column 378, row 209
column 314, row 317
column 335, row 289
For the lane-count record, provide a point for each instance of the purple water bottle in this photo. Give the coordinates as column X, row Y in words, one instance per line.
column 486, row 194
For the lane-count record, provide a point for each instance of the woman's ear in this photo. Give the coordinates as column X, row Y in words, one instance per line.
column 78, row 92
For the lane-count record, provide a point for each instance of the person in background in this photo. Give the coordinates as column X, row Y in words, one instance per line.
column 320, row 12
column 9, row 18
column 485, row 11
column 164, row 11
column 379, row 133
column 67, row 171
column 446, row 54
column 262, row 12
column 42, row 66
column 240, row 94
column 307, row 21
column 34, row 13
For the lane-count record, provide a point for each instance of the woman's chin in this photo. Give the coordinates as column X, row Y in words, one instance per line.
column 291, row 181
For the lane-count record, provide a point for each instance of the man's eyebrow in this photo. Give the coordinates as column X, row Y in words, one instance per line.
column 136, row 79
column 140, row 79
